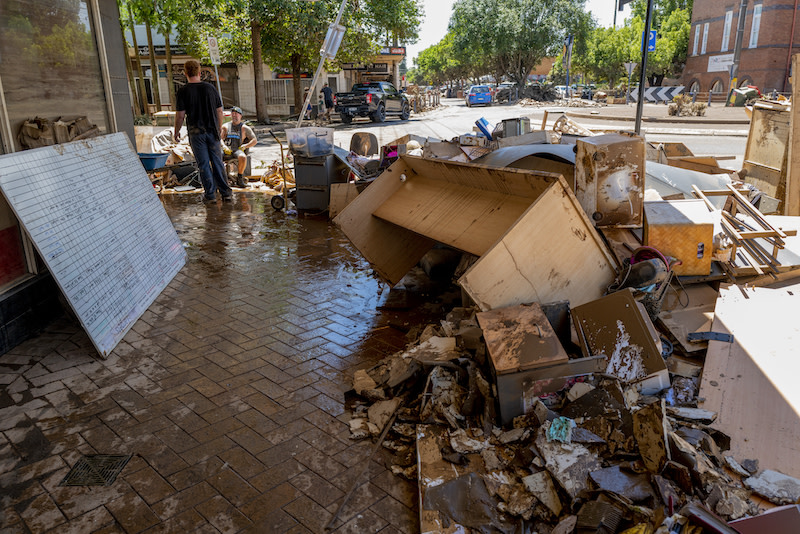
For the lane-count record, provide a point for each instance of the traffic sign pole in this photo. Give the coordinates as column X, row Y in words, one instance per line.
column 213, row 52
column 629, row 67
column 640, row 103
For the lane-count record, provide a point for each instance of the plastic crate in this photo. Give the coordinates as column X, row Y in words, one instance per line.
column 310, row 142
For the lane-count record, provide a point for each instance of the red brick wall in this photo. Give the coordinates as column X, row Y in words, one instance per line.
column 764, row 66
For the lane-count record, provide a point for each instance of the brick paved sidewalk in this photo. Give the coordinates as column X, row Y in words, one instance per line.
column 228, row 393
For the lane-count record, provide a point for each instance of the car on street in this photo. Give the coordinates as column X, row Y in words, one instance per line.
column 479, row 94
column 375, row 100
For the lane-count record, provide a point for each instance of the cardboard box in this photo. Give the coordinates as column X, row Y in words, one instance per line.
column 609, row 179
column 683, row 229
column 619, row 327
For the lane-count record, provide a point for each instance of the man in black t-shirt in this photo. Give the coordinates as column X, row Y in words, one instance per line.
column 200, row 103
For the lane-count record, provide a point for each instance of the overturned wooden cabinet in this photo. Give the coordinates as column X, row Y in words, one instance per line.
column 609, row 178
column 533, row 240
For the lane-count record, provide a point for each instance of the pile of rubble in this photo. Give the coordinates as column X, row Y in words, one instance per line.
column 562, row 102
column 618, row 321
column 595, row 454
column 682, row 106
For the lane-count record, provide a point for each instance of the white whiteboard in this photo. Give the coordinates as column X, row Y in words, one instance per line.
column 98, row 224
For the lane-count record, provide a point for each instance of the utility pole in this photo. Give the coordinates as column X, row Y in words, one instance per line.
column 737, row 52
column 642, row 76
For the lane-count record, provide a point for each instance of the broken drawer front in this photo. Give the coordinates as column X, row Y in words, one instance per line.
column 682, row 229
column 313, row 198
column 517, row 392
column 609, row 179
column 619, row 327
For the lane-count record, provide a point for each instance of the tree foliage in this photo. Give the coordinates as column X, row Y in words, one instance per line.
column 288, row 34
column 608, row 49
column 510, row 37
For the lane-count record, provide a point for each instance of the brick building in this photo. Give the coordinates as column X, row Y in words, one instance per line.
column 766, row 45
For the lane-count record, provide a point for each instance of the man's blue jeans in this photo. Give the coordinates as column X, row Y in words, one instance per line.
column 207, row 150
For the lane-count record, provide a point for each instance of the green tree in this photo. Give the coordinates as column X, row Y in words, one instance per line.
column 288, row 34
column 661, row 10
column 510, row 37
column 394, row 21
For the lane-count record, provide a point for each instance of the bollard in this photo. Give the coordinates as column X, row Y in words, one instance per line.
column 694, row 97
column 709, row 99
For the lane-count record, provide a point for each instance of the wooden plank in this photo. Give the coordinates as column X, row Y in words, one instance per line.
column 792, row 199
column 391, row 250
column 752, row 383
column 553, row 253
column 707, row 165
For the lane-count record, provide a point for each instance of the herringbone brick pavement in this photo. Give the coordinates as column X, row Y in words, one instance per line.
column 228, row 392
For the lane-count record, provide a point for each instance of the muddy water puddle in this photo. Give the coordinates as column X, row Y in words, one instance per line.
column 247, row 248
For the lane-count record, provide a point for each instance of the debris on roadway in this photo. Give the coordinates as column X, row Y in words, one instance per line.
column 622, row 357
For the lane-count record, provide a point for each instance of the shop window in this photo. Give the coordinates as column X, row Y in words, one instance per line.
column 696, row 40
column 50, row 66
column 717, row 87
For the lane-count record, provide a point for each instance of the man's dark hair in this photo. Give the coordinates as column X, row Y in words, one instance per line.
column 192, row 68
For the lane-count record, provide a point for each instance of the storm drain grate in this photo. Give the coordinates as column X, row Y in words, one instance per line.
column 96, row 470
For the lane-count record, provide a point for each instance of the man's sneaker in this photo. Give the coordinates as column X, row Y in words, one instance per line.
column 229, row 198
column 207, row 200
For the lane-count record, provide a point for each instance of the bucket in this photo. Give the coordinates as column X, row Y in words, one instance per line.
column 152, row 161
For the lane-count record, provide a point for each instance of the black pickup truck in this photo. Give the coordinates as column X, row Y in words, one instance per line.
column 374, row 100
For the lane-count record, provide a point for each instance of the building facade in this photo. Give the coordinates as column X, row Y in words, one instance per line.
column 770, row 36
column 237, row 80
column 61, row 62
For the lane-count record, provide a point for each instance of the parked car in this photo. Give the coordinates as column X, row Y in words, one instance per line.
column 479, row 94
column 374, row 100
column 561, row 91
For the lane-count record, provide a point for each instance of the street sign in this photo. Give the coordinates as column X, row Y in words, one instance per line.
column 213, row 50
column 651, row 41
column 659, row 94
column 629, row 68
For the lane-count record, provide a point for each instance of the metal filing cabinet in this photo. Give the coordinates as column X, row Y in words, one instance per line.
column 313, row 177
column 609, row 179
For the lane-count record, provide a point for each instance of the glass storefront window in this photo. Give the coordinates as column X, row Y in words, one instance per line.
column 49, row 62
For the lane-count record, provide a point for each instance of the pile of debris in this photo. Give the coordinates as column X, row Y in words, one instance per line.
column 567, row 103
column 421, row 99
column 683, row 106
column 616, row 301
column 39, row 132
column 592, row 452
